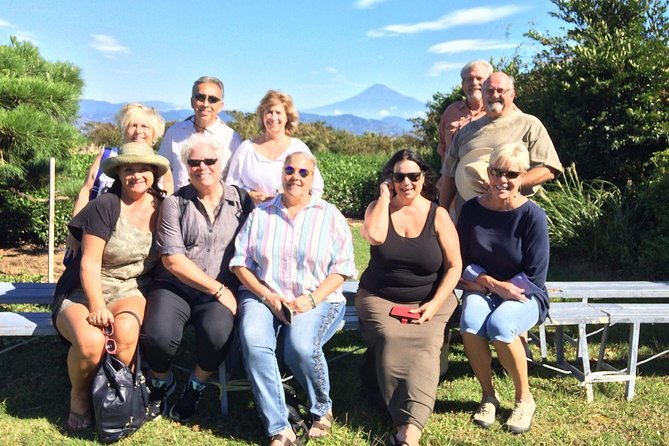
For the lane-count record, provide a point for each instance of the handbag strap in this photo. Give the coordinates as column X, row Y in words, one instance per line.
column 132, row 313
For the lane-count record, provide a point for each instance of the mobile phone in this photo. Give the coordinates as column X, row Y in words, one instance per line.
column 287, row 313
column 403, row 314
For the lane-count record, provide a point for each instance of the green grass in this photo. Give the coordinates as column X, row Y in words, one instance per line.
column 360, row 247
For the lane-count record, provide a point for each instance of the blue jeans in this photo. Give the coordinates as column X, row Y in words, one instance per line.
column 302, row 350
column 496, row 319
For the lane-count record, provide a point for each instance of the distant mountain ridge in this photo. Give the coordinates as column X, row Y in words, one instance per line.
column 376, row 110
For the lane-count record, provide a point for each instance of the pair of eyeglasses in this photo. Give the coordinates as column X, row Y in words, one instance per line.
column 110, row 343
column 206, row 161
column 289, row 170
column 500, row 91
column 504, row 173
column 398, row 177
column 205, row 97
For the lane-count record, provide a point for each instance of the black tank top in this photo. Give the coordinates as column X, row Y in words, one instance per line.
column 406, row 269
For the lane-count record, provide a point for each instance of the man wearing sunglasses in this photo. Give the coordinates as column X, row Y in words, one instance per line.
column 207, row 102
column 464, row 170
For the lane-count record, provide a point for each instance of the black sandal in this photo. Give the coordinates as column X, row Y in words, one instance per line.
column 394, row 441
column 285, row 441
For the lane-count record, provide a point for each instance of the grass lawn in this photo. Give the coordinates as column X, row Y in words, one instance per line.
column 34, row 395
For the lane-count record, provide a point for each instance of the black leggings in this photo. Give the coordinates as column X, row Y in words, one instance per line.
column 168, row 310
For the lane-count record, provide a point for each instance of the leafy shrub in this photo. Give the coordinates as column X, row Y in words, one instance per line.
column 26, row 221
column 575, row 208
column 351, row 181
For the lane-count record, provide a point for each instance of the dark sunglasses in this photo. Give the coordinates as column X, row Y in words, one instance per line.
column 504, row 173
column 398, row 177
column 110, row 344
column 206, row 161
column 289, row 170
column 203, row 98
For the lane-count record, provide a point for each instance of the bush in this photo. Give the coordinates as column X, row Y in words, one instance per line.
column 26, row 221
column 351, row 181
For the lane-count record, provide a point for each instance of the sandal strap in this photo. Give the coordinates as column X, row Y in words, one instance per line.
column 285, row 441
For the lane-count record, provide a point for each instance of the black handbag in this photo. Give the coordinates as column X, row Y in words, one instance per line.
column 120, row 398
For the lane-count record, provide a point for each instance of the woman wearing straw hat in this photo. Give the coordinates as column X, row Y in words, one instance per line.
column 116, row 231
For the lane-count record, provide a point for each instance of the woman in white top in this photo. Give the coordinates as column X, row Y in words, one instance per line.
column 257, row 164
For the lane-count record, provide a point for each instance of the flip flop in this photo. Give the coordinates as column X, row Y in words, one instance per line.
column 324, row 428
column 78, row 422
column 394, row 441
column 285, row 441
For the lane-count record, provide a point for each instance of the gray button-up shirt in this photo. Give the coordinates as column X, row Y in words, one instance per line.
column 184, row 228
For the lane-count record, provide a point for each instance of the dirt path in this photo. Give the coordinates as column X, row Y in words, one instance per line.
column 30, row 261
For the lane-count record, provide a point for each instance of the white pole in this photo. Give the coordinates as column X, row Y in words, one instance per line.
column 52, row 213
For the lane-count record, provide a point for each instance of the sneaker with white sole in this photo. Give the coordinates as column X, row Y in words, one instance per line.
column 485, row 414
column 160, row 392
column 520, row 420
column 185, row 408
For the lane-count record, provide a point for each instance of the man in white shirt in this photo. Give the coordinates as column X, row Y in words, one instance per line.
column 207, row 103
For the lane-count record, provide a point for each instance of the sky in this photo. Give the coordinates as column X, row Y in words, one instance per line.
column 318, row 51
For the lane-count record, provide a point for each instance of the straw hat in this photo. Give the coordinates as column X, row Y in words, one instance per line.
column 471, row 174
column 135, row 153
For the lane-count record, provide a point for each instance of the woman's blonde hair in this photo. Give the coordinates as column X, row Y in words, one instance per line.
column 271, row 98
column 129, row 112
column 506, row 155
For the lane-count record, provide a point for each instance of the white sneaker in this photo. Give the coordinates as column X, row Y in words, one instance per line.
column 485, row 414
column 520, row 420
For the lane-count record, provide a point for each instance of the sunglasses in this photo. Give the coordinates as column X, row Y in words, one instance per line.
column 398, row 177
column 504, row 173
column 289, row 170
column 206, row 161
column 110, row 344
column 203, row 98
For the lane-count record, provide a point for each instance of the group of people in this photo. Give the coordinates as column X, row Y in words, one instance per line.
column 232, row 237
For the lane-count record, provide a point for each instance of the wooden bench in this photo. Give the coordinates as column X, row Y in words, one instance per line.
column 572, row 303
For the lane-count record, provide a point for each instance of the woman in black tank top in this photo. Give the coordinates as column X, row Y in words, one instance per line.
column 415, row 263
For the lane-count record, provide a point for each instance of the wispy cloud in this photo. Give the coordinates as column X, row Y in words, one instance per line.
column 108, row 45
column 364, row 4
column 6, row 24
column 26, row 36
column 464, row 45
column 442, row 67
column 471, row 16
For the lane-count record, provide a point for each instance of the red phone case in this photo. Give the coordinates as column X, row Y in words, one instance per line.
column 402, row 313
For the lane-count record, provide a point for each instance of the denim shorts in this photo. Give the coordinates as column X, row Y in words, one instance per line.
column 496, row 319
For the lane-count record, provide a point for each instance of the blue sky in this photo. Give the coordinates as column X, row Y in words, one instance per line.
column 320, row 52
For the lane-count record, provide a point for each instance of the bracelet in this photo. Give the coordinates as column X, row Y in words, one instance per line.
column 311, row 297
column 218, row 293
column 263, row 298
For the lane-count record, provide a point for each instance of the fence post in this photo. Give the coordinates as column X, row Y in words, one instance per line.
column 52, row 214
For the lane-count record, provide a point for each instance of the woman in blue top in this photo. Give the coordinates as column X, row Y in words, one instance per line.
column 504, row 243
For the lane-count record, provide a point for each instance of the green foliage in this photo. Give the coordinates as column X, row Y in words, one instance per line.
column 574, row 209
column 38, row 107
column 427, row 128
column 102, row 134
column 601, row 88
column 351, row 181
column 244, row 123
column 26, row 221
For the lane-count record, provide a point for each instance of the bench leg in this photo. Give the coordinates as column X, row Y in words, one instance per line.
column 632, row 357
column 542, row 343
column 223, row 379
column 585, row 360
column 602, row 347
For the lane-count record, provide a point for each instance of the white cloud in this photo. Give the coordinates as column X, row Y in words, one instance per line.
column 364, row 4
column 471, row 16
column 5, row 24
column 108, row 45
column 461, row 46
column 25, row 36
column 384, row 113
column 442, row 67
column 337, row 112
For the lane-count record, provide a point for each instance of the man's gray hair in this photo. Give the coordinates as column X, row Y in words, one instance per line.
column 208, row 80
column 473, row 63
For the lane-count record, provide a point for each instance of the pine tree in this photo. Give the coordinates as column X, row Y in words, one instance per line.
column 38, row 107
